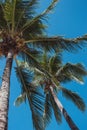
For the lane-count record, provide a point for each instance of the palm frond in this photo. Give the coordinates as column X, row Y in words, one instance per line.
column 28, row 57
column 44, row 61
column 34, row 96
column 2, row 24
column 56, row 110
column 9, row 12
column 17, row 12
column 26, row 9
column 54, row 63
column 50, row 62
column 33, row 26
column 57, row 43
column 32, row 61
column 39, row 78
column 75, row 98
column 37, row 107
column 80, row 39
column 77, row 68
column 13, row 15
column 30, row 50
column 20, row 99
column 36, row 104
column 25, row 12
column 47, row 115
column 70, row 71
column 38, row 29
column 42, row 15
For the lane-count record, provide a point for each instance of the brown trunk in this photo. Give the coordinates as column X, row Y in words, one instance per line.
column 70, row 122
column 4, row 93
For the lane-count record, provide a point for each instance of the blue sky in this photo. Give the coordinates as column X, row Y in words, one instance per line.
column 69, row 20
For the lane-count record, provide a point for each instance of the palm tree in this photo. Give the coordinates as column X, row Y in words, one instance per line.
column 51, row 83
column 21, row 33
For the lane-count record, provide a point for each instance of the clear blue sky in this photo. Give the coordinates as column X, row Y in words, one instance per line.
column 69, row 19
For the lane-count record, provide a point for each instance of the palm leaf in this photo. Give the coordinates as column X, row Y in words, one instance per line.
column 9, row 12
column 30, row 50
column 13, row 15
column 33, row 26
column 54, row 63
column 32, row 61
column 50, row 62
column 29, row 58
column 31, row 22
column 38, row 79
column 44, row 61
column 2, row 24
column 36, row 105
column 77, row 68
column 20, row 99
column 70, row 71
column 34, row 96
column 56, row 110
column 57, row 43
column 75, row 98
column 37, row 29
column 26, row 9
column 17, row 12
column 47, row 110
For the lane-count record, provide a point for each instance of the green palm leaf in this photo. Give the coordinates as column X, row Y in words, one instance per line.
column 32, row 61
column 44, row 61
column 36, row 105
column 47, row 115
column 20, row 99
column 25, row 51
column 70, row 71
column 42, row 15
column 34, row 96
column 58, row 42
column 2, row 24
column 54, row 63
column 75, row 98
column 9, row 13
column 56, row 110
column 26, row 9
column 29, row 55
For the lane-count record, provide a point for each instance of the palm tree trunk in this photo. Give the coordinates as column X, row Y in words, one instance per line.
column 70, row 122
column 4, row 93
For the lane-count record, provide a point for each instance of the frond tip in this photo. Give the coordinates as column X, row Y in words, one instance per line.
column 75, row 98
column 70, row 72
column 20, row 99
column 51, row 6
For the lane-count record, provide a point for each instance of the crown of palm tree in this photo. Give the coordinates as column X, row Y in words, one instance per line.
column 20, row 27
column 53, row 74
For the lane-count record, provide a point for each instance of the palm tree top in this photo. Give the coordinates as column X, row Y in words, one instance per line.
column 20, row 26
column 54, row 72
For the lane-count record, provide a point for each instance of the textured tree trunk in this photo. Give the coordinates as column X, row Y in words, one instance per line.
column 4, row 93
column 70, row 122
